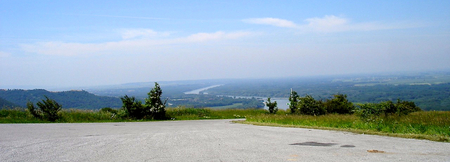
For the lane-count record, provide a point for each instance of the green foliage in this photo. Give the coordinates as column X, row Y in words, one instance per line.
column 78, row 115
column 5, row 103
column 309, row 106
column 154, row 108
column 48, row 109
column 431, row 125
column 272, row 106
column 17, row 115
column 406, row 107
column 372, row 111
column 293, row 101
column 108, row 109
column 182, row 113
column 339, row 105
column 134, row 108
column 155, row 104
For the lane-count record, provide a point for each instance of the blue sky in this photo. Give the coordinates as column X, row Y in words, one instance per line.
column 88, row 43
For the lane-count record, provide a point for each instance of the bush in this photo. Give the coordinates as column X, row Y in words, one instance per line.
column 309, row 106
column 48, row 109
column 406, row 107
column 155, row 104
column 339, row 104
column 293, row 101
column 387, row 108
column 272, row 106
column 154, row 108
column 134, row 108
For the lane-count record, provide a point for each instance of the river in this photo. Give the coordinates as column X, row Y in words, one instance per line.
column 281, row 102
column 197, row 91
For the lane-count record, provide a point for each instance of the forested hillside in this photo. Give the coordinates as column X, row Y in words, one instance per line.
column 68, row 99
column 5, row 103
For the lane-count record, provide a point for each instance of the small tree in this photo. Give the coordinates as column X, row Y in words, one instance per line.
column 309, row 106
column 406, row 107
column 48, row 109
column 134, row 108
column 339, row 104
column 153, row 108
column 155, row 104
column 293, row 101
column 272, row 106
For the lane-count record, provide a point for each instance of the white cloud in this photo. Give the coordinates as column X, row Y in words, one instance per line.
column 271, row 21
column 141, row 33
column 326, row 24
column 127, row 45
column 4, row 54
column 201, row 37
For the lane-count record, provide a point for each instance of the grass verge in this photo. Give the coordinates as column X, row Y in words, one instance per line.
column 20, row 115
column 431, row 125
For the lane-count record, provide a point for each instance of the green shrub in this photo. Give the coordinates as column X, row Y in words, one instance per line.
column 155, row 104
column 48, row 109
column 373, row 110
column 309, row 106
column 272, row 106
column 406, row 107
column 154, row 108
column 339, row 105
column 108, row 109
column 134, row 108
column 293, row 101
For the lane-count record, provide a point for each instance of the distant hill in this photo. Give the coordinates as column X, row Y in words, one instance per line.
column 79, row 99
column 6, row 103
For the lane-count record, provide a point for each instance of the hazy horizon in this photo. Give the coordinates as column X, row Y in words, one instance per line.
column 219, row 80
column 93, row 43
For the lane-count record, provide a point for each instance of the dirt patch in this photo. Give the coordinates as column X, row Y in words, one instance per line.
column 375, row 151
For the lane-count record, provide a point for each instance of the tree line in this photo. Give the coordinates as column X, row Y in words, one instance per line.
column 427, row 97
column 153, row 108
column 339, row 104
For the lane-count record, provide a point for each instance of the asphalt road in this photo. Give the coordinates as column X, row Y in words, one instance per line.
column 204, row 140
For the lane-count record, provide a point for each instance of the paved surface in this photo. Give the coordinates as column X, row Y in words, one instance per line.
column 204, row 140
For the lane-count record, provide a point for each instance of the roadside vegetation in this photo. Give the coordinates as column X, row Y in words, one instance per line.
column 393, row 118
column 20, row 115
column 400, row 118
column 430, row 125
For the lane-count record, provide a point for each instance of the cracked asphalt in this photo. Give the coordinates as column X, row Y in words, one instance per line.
column 204, row 140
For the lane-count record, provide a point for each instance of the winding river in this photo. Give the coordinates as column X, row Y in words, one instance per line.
column 281, row 102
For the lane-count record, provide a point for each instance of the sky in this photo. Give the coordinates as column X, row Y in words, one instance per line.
column 106, row 42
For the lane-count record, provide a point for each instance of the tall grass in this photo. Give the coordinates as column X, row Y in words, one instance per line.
column 77, row 115
column 432, row 125
column 182, row 113
column 19, row 115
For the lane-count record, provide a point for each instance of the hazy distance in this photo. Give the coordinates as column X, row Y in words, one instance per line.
column 90, row 43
